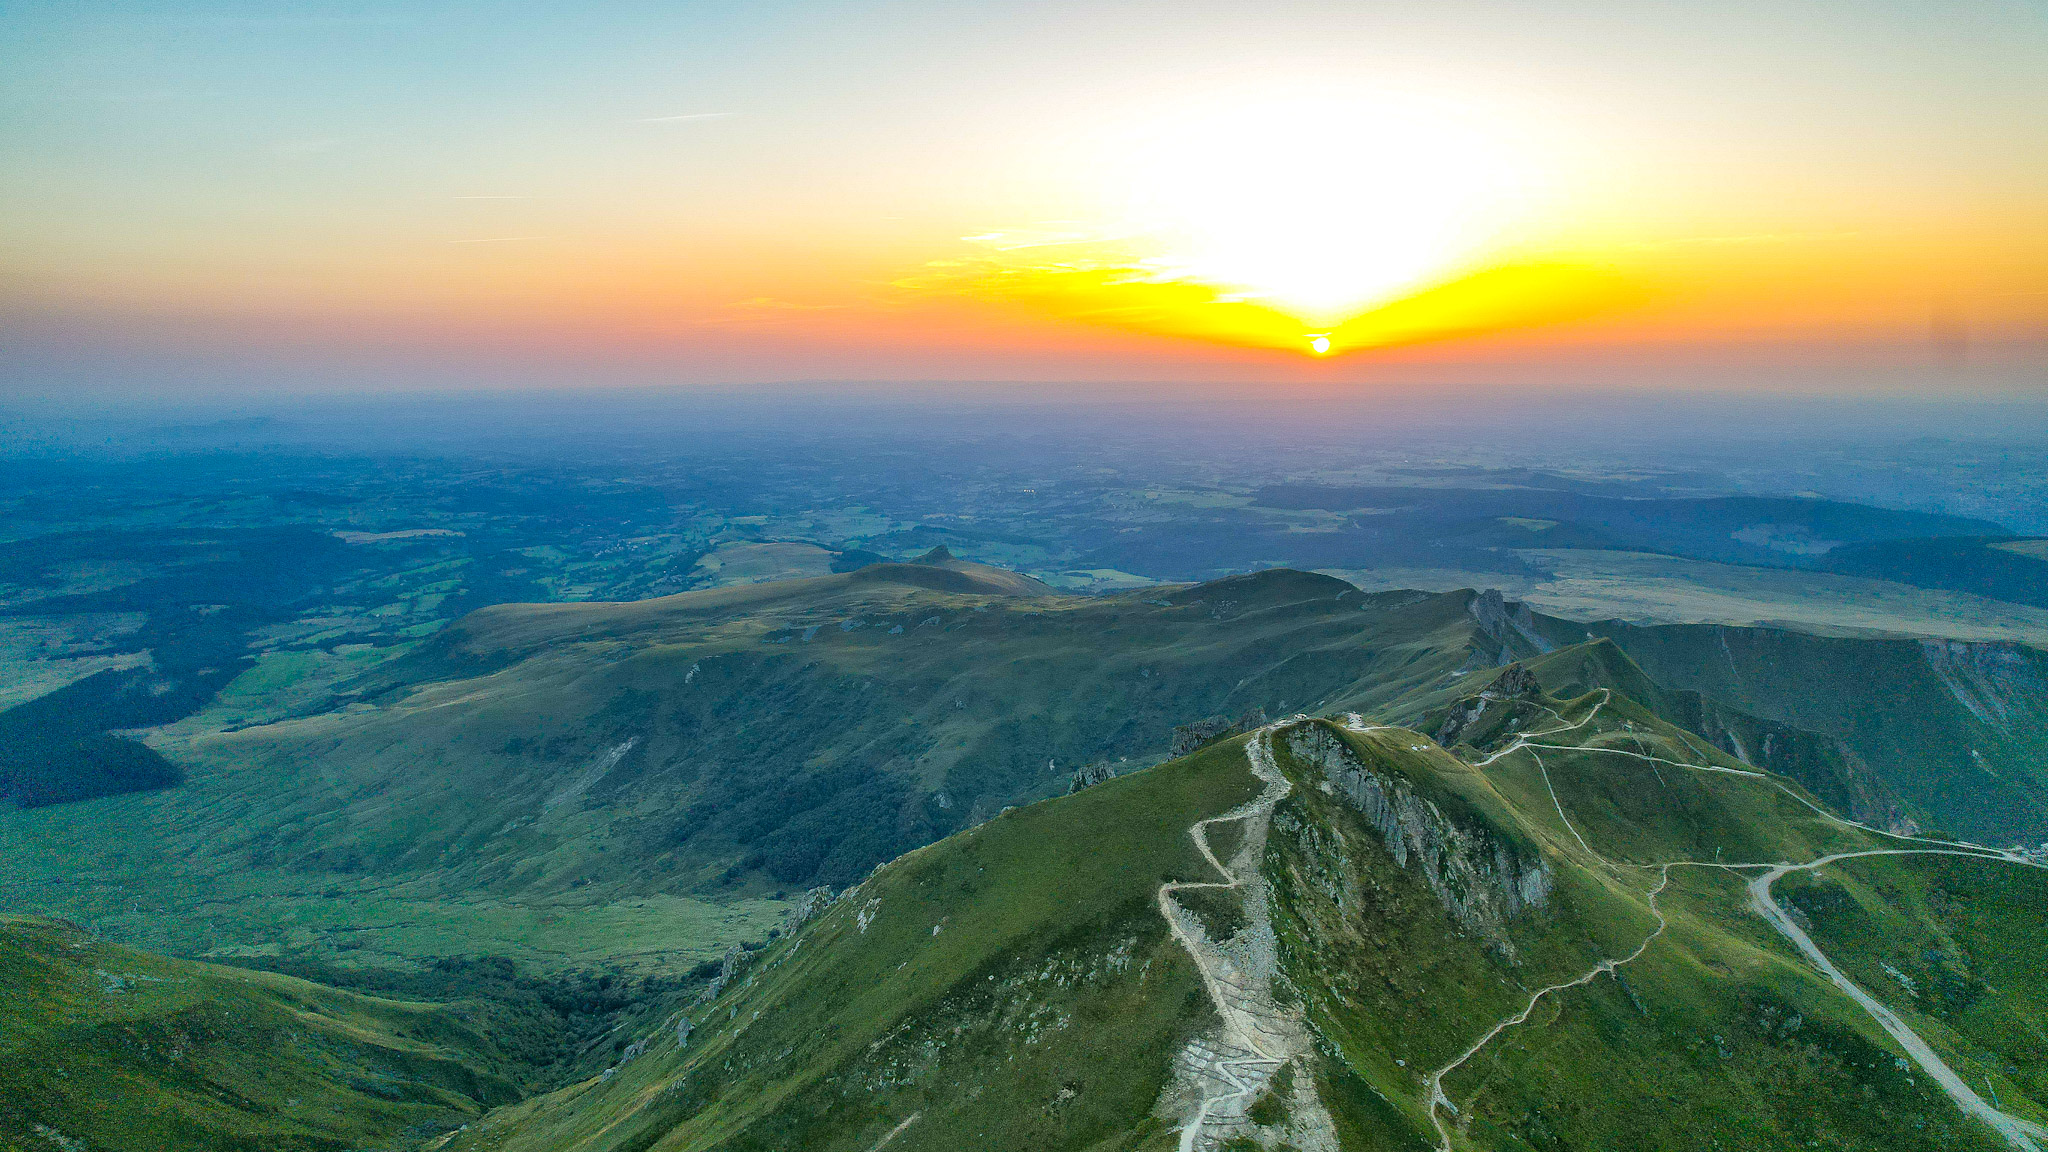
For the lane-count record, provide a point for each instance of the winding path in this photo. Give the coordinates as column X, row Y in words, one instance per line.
column 1254, row 1055
column 1439, row 1101
column 2019, row 1133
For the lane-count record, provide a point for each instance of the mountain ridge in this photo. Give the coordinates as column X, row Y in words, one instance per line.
column 1354, row 1085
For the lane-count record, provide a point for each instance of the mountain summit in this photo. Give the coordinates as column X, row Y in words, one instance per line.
column 1334, row 934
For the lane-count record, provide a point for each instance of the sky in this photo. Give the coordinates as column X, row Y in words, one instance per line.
column 276, row 198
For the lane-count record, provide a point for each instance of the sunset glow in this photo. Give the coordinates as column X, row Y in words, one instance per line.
column 952, row 196
column 1320, row 222
column 1321, row 206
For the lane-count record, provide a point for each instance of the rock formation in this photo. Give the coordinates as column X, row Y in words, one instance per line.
column 1482, row 880
column 1088, row 777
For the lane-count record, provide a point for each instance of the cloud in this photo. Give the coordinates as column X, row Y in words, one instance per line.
column 685, row 118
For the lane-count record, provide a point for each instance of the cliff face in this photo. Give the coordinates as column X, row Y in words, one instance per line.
column 1513, row 629
column 1998, row 683
column 1829, row 768
column 1481, row 879
column 1188, row 738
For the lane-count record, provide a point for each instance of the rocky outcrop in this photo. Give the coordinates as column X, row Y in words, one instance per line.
column 1191, row 737
column 1481, row 879
column 1503, row 624
column 728, row 967
column 1088, row 777
column 809, row 906
column 1514, row 683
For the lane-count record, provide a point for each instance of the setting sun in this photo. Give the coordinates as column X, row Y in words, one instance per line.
column 1319, row 205
column 1372, row 217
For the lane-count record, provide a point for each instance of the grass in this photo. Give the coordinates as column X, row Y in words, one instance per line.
column 1013, row 985
column 1952, row 946
column 119, row 1050
column 1715, row 1030
column 1043, row 1014
column 635, row 787
column 1046, row 1007
column 278, row 685
column 782, row 736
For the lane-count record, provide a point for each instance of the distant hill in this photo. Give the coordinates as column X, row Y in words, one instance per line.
column 1780, row 532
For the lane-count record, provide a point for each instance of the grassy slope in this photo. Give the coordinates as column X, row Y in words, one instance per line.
column 1042, row 1013
column 1717, row 1027
column 1715, row 1037
column 130, row 1052
column 477, row 814
column 1390, row 981
column 1953, row 946
column 1879, row 698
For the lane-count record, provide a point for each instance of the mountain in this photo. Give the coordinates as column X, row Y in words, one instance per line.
column 1951, row 734
column 624, row 858
column 636, row 787
column 1333, row 934
column 570, row 783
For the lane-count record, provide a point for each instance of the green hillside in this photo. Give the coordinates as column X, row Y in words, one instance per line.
column 633, row 788
column 1497, row 897
column 1955, row 733
column 107, row 1048
column 1080, row 974
column 641, row 785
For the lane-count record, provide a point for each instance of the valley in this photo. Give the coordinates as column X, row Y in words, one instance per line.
column 665, row 841
column 1020, row 577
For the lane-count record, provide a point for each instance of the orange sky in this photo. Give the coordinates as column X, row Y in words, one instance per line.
column 803, row 192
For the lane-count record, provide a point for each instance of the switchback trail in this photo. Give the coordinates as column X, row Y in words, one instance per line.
column 1439, row 1101
column 1257, row 1038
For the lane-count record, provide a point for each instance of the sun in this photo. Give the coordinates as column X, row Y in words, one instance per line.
column 1320, row 205
column 1315, row 221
